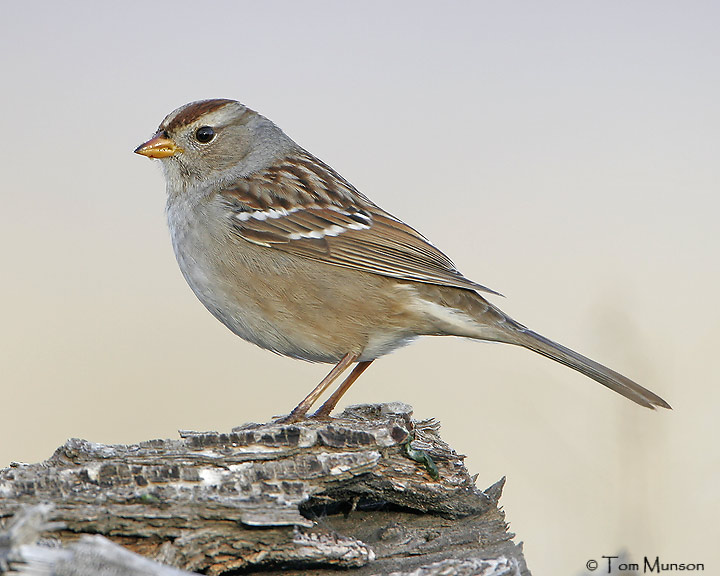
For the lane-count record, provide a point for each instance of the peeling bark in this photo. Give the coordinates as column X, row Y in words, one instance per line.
column 372, row 491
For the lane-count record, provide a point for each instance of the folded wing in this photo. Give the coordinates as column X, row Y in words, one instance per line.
column 306, row 209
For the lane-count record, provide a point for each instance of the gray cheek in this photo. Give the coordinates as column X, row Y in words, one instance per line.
column 173, row 173
column 183, row 173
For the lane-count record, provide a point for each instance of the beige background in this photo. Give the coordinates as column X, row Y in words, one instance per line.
column 565, row 154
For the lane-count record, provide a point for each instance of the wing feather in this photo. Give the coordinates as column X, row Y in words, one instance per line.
column 333, row 223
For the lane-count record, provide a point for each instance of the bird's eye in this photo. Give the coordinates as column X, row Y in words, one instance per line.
column 204, row 134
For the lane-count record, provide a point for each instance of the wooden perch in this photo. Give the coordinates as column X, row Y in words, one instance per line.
column 372, row 492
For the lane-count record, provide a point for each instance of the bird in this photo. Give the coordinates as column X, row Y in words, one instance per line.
column 290, row 256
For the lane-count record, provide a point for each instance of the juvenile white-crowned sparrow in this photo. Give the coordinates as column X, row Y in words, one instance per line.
column 290, row 256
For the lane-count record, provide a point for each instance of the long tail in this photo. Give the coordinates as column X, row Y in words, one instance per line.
column 598, row 372
column 465, row 313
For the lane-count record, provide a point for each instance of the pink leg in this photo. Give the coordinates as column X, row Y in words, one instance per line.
column 301, row 409
column 331, row 402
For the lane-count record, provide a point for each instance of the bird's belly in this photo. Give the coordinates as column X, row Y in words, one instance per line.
column 297, row 307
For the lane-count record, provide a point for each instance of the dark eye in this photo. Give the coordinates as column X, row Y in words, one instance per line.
column 204, row 134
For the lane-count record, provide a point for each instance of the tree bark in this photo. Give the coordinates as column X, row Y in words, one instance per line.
column 372, row 492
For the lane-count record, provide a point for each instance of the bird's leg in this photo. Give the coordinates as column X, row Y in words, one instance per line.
column 331, row 402
column 301, row 409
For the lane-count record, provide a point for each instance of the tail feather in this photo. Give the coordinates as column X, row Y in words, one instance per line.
column 465, row 313
column 598, row 372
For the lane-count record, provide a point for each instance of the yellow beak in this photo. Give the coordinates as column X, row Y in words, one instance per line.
column 158, row 147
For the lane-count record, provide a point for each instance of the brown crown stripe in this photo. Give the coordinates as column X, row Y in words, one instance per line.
column 188, row 114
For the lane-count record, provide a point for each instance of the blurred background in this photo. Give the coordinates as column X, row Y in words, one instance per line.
column 562, row 153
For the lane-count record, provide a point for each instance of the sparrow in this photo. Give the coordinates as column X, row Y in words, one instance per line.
column 290, row 256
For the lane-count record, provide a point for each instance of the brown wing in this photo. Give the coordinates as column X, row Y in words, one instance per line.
column 304, row 208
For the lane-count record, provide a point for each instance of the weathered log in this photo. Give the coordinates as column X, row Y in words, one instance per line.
column 372, row 491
